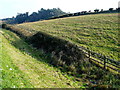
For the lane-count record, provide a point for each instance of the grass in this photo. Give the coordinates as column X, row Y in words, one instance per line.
column 97, row 32
column 26, row 67
column 32, row 65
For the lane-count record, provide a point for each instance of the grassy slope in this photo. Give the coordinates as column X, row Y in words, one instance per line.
column 98, row 32
column 23, row 66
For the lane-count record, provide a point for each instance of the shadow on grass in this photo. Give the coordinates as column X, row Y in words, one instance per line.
column 38, row 54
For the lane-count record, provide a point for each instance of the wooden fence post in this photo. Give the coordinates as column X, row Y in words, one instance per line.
column 104, row 62
column 89, row 55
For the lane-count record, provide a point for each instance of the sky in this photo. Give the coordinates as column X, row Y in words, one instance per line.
column 9, row 8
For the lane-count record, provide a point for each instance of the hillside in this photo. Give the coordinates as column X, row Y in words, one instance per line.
column 55, row 62
column 97, row 32
column 23, row 66
column 26, row 67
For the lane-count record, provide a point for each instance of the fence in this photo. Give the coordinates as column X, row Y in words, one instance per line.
column 101, row 59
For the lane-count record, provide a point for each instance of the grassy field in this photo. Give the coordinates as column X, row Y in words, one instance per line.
column 97, row 32
column 25, row 67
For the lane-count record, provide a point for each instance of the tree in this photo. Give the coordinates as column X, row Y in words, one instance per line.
column 101, row 10
column 110, row 9
column 20, row 18
column 89, row 11
column 96, row 10
column 118, row 9
column 42, row 14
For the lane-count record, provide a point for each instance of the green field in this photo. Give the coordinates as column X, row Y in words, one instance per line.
column 25, row 67
column 97, row 32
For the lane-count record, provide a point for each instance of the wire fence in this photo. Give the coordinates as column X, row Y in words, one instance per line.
column 101, row 59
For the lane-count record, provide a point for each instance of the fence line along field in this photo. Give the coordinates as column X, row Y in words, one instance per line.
column 97, row 32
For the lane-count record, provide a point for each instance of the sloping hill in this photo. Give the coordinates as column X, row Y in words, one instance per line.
column 23, row 66
column 26, row 67
column 97, row 32
column 35, row 63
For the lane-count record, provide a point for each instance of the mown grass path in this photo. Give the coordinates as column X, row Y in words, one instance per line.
column 25, row 67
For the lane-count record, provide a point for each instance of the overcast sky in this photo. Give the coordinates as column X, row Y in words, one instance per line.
column 9, row 8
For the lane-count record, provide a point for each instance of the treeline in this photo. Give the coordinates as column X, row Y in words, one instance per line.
column 96, row 11
column 42, row 14
column 46, row 14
